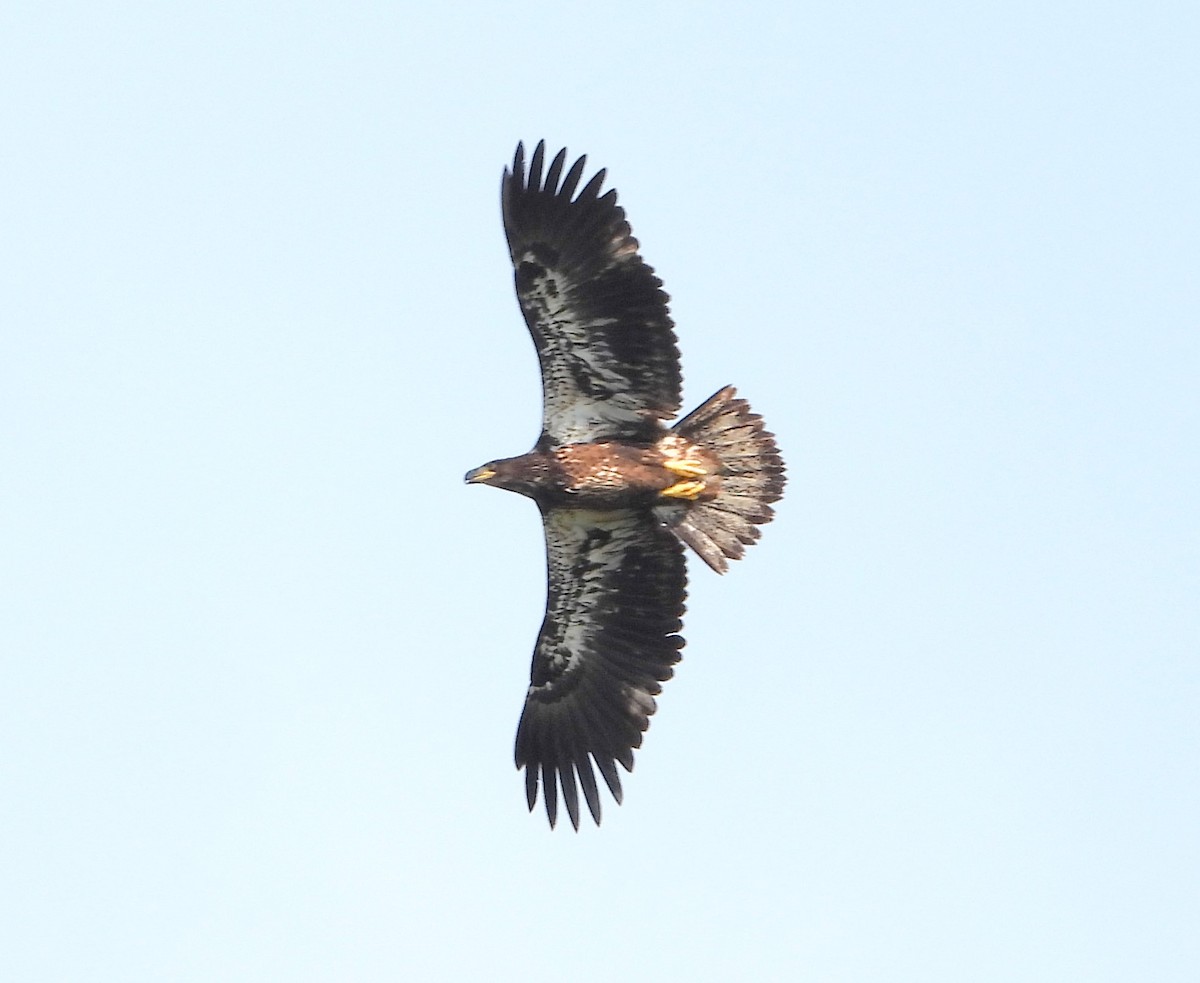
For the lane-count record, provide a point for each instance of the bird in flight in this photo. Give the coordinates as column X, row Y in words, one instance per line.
column 619, row 491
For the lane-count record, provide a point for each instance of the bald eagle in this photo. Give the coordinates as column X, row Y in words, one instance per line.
column 619, row 491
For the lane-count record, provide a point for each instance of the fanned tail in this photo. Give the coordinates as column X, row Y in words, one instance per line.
column 751, row 476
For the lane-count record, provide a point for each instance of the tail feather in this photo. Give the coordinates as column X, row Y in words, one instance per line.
column 751, row 475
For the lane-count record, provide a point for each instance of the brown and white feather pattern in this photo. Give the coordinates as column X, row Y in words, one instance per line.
column 596, row 311
column 751, row 475
column 615, row 599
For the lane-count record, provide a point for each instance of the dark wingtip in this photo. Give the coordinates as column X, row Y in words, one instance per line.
column 555, row 171
column 587, row 779
column 550, row 794
column 592, row 188
column 530, row 785
column 535, row 165
column 566, row 776
column 612, row 779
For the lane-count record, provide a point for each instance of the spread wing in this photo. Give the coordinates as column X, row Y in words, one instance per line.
column 616, row 586
column 597, row 312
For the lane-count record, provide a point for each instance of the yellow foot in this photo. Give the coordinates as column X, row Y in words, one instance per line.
column 683, row 489
column 685, row 467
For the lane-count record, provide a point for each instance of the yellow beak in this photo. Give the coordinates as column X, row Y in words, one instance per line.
column 479, row 475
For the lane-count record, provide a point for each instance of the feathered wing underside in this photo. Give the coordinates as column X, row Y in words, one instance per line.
column 615, row 599
column 596, row 311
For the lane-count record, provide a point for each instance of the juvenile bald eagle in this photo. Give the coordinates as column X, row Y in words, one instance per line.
column 618, row 491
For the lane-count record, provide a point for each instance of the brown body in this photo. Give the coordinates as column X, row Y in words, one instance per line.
column 608, row 474
column 710, row 479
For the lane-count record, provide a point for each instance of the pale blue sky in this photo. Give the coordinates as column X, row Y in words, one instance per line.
column 263, row 653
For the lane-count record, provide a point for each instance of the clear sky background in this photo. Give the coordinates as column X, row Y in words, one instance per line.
column 262, row 653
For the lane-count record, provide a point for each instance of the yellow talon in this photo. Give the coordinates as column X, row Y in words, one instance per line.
column 685, row 467
column 684, row 489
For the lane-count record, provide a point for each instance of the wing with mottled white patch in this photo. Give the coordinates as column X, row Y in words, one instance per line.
column 616, row 587
column 596, row 311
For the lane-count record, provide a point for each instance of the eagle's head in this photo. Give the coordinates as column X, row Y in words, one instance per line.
column 525, row 475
